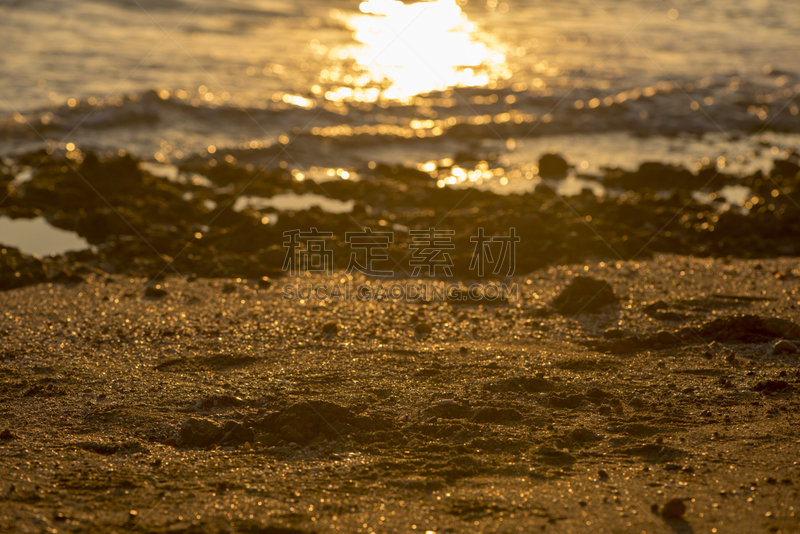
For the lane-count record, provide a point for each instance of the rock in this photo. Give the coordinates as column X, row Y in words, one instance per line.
column 330, row 329
column 659, row 305
column 784, row 347
column 423, row 329
column 771, row 386
column 264, row 282
column 553, row 165
column 749, row 329
column 236, row 433
column 584, row 294
column 786, row 168
column 198, row 432
column 155, row 292
column 602, row 473
column 674, row 509
column 660, row 340
column 6, row 435
column 668, row 316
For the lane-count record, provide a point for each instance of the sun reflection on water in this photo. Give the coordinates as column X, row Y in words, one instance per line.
column 412, row 49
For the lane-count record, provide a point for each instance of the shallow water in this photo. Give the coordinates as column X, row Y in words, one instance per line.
column 294, row 202
column 39, row 237
column 338, row 83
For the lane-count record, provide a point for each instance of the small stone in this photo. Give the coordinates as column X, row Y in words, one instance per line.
column 659, row 305
column 171, row 442
column 264, row 282
column 771, row 386
column 330, row 329
column 602, row 473
column 730, row 358
column 6, row 434
column 553, row 165
column 674, row 509
column 784, row 347
column 247, row 446
column 236, row 433
column 423, row 329
column 198, row 432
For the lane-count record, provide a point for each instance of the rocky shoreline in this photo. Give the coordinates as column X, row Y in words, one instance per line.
column 144, row 225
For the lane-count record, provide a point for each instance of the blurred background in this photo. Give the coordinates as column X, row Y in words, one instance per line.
column 602, row 82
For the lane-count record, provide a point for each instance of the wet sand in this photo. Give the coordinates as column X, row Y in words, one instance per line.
column 216, row 406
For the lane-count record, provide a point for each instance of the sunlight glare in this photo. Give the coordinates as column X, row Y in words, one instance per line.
column 417, row 48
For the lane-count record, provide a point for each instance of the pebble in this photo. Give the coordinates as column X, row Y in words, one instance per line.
column 423, row 329
column 198, row 432
column 553, row 165
column 330, row 329
column 674, row 509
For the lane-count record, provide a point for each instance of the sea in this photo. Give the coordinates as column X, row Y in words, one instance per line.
column 323, row 87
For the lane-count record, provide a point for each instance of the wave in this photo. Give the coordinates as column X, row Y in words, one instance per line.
column 668, row 108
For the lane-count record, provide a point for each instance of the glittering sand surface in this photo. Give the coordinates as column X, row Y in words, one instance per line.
column 505, row 418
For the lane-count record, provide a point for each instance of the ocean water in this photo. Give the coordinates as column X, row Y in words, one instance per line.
column 316, row 85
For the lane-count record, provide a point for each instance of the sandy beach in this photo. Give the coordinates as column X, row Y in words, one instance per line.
column 221, row 407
